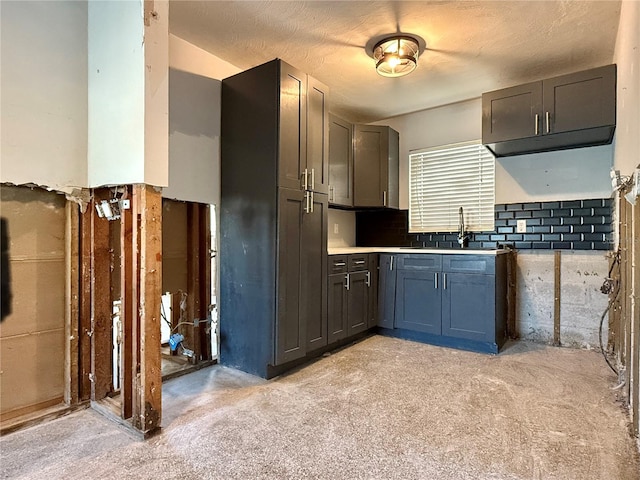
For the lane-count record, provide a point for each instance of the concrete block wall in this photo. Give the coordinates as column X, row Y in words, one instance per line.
column 581, row 302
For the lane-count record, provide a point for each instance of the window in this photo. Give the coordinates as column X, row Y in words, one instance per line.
column 443, row 179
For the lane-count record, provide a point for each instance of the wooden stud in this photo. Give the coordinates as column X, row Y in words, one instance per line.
column 556, row 298
column 101, row 306
column 134, row 309
column 72, row 303
column 626, row 292
column 205, row 280
column 84, row 325
column 635, row 315
column 192, row 338
column 127, row 286
column 150, row 203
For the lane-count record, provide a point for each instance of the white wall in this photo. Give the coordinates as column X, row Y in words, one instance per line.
column 128, row 94
column 627, row 57
column 342, row 228
column 44, row 93
column 565, row 175
column 194, row 122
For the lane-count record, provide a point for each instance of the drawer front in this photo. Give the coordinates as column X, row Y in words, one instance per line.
column 469, row 264
column 338, row 264
column 420, row 261
column 358, row 262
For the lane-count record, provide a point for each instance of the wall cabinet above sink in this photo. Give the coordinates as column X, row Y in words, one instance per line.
column 569, row 111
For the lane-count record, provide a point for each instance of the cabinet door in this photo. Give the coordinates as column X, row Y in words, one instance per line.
column 581, row 100
column 386, row 291
column 393, row 175
column 358, row 302
column 313, row 280
column 468, row 306
column 293, row 127
column 370, row 165
column 418, row 301
column 337, row 314
column 290, row 334
column 512, row 113
column 317, row 136
column 340, row 162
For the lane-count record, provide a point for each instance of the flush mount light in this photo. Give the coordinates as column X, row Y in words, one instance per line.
column 397, row 55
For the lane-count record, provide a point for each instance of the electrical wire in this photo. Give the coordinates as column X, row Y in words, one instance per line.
column 616, row 260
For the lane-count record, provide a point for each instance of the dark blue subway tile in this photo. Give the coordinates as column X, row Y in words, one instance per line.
column 602, row 211
column 501, row 223
column 599, row 202
column 531, row 206
column 489, row 245
column 581, row 212
column 571, row 237
column 481, row 237
column 594, row 237
column 532, row 237
column 541, row 229
column 582, row 228
column 561, row 229
column 505, row 229
column 542, row 213
column 505, row 215
column 582, row 246
column 551, row 221
column 525, row 245
column 514, row 237
column 551, row 205
column 514, row 207
column 523, row 214
column 602, row 246
column 561, row 212
column 445, row 245
column 533, row 221
column 541, row 245
column 602, row 228
column 571, row 220
column 570, row 204
column 606, row 219
column 552, row 237
column 499, row 207
column 497, row 238
column 561, row 245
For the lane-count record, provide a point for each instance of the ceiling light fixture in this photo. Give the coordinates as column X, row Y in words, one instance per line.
column 397, row 55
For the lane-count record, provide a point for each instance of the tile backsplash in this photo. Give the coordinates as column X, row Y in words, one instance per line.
column 573, row 225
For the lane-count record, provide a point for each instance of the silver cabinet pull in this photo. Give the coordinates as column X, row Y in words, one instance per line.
column 384, row 198
column 346, row 285
column 368, row 279
column 305, row 179
column 435, row 280
column 444, row 281
column 306, row 202
column 313, row 179
column 548, row 118
column 310, row 202
column 537, row 124
column 339, row 264
column 391, row 264
column 358, row 262
column 330, row 193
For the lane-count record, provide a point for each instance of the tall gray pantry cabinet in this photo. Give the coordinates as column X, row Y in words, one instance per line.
column 273, row 218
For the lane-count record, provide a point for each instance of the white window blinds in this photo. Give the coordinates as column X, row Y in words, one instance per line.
column 443, row 179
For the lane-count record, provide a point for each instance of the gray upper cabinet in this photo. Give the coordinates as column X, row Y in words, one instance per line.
column 569, row 111
column 340, row 162
column 376, row 159
column 292, row 152
column 317, row 164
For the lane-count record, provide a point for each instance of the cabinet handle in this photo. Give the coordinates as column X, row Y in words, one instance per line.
column 305, row 179
column 368, row 279
column 346, row 285
column 310, row 202
column 313, row 179
column 384, row 198
column 537, row 124
column 358, row 262
column 547, row 118
column 435, row 280
column 330, row 193
column 306, row 202
column 444, row 281
column 391, row 264
column 339, row 264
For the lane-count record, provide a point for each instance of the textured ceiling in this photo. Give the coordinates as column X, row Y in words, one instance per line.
column 472, row 46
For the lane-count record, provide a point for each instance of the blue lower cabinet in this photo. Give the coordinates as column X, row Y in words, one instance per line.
column 450, row 300
column 386, row 291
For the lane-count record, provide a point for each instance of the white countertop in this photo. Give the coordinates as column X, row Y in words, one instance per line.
column 446, row 251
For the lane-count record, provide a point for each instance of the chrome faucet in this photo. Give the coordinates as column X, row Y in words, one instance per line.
column 463, row 238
